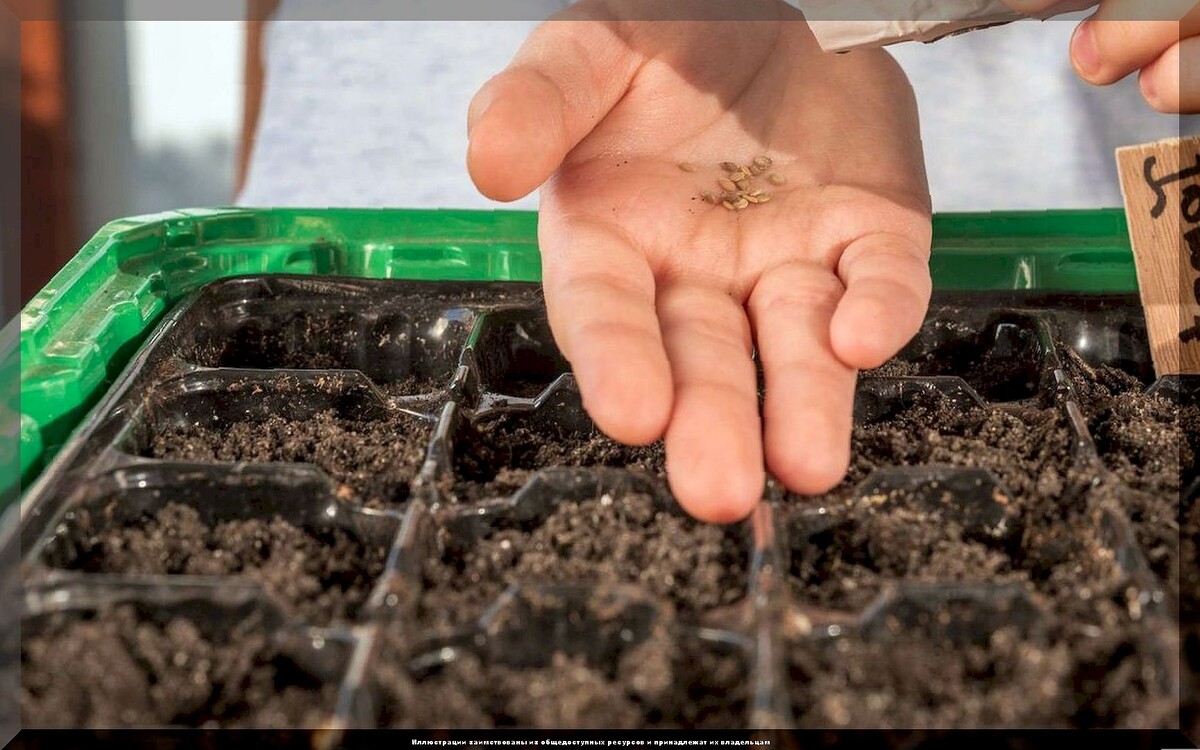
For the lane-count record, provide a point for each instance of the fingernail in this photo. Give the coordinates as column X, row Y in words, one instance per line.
column 1146, row 82
column 1083, row 50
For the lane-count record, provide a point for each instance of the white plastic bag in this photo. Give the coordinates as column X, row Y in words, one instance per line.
column 841, row 25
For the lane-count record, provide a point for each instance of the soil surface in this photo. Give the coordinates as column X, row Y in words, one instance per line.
column 1090, row 660
column 670, row 680
column 846, row 546
column 495, row 458
column 1095, row 671
column 318, row 576
column 695, row 566
column 120, row 670
column 329, row 340
column 376, row 459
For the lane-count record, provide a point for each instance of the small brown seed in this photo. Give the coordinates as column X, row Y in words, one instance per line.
column 729, row 166
column 731, row 197
column 741, row 184
column 708, row 197
column 687, row 166
column 727, row 185
column 763, row 162
column 728, row 204
column 776, row 179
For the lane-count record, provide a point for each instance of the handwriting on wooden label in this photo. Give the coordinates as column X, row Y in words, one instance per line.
column 1161, row 183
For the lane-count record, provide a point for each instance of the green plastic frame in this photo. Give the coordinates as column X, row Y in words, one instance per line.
column 77, row 334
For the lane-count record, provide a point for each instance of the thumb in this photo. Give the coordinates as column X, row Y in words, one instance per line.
column 564, row 80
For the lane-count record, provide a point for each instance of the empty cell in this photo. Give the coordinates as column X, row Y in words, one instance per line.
column 408, row 346
column 141, row 663
column 1002, row 356
column 495, row 456
column 285, row 532
column 336, row 422
column 574, row 657
column 1109, row 333
column 516, row 354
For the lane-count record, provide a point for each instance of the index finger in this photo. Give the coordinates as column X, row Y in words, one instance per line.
column 600, row 296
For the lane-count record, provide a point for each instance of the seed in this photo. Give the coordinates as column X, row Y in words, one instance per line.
column 727, row 185
column 751, row 198
column 741, row 203
column 776, row 179
column 741, row 174
column 757, row 170
column 764, row 197
column 729, row 166
column 763, row 162
column 741, row 184
column 687, row 166
column 708, row 197
column 728, row 204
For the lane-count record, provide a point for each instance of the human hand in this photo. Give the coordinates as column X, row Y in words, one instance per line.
column 1160, row 40
column 657, row 298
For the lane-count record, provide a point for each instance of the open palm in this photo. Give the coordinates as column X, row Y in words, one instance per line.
column 659, row 299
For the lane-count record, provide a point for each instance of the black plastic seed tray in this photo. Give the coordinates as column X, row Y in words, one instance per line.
column 344, row 503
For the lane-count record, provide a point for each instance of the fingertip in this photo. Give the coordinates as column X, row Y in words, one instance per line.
column 1158, row 90
column 866, row 331
column 811, row 470
column 515, row 135
column 630, row 412
column 1085, row 54
column 714, row 461
column 861, row 336
column 727, row 494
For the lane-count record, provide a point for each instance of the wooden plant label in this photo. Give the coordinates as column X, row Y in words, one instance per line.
column 1161, row 184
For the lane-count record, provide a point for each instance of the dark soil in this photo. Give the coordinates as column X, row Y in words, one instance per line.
column 844, row 555
column 319, row 576
column 495, row 458
column 415, row 385
column 376, row 459
column 698, row 567
column 120, row 670
column 668, row 681
column 1092, row 661
column 1095, row 671
column 1152, row 444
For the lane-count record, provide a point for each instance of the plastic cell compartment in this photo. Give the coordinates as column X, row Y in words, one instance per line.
column 459, row 364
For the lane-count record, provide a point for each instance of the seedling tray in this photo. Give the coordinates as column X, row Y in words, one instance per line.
column 384, row 499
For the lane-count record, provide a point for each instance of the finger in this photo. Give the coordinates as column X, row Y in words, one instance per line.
column 1126, row 35
column 1171, row 83
column 887, row 293
column 714, row 440
column 809, row 391
column 600, row 300
column 523, row 122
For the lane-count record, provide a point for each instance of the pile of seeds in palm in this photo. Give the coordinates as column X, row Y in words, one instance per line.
column 738, row 189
